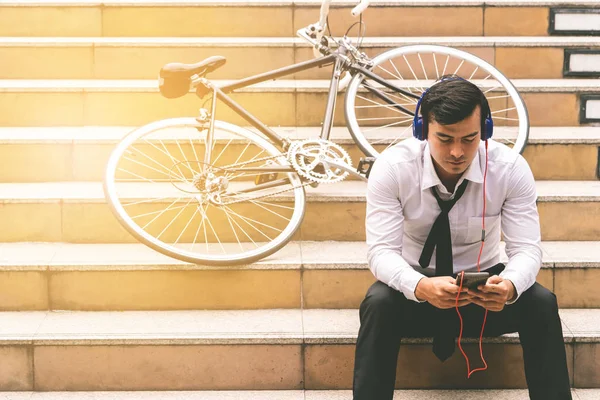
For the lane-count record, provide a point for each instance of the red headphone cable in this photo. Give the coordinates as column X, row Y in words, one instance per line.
column 469, row 371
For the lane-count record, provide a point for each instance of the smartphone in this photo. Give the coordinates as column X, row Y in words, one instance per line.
column 472, row 279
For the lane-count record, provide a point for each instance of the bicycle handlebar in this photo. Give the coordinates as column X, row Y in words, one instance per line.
column 360, row 7
column 313, row 33
column 316, row 31
column 356, row 11
column 324, row 13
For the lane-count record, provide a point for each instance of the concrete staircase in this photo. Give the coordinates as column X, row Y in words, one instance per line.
column 88, row 313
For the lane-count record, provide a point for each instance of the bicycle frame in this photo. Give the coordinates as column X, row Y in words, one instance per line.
column 340, row 61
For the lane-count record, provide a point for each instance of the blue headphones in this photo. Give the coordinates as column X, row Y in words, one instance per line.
column 419, row 131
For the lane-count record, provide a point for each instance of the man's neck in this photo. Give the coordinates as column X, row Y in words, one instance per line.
column 448, row 180
column 450, row 185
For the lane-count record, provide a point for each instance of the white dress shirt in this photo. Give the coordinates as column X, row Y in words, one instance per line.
column 401, row 210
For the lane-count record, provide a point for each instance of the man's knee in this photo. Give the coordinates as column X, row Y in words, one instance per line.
column 541, row 302
column 381, row 298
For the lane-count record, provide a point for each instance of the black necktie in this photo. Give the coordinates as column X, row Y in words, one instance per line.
column 441, row 239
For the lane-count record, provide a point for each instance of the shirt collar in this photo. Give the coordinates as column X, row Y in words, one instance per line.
column 430, row 177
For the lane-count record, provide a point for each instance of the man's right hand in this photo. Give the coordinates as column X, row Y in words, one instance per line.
column 441, row 292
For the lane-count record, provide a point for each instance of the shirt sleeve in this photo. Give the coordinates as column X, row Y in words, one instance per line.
column 521, row 229
column 384, row 228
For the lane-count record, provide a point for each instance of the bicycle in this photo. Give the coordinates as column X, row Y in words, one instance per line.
column 250, row 183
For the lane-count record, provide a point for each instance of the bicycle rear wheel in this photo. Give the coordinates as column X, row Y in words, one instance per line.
column 376, row 124
column 162, row 191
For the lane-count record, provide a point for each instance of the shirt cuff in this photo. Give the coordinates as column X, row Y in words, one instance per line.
column 516, row 281
column 410, row 280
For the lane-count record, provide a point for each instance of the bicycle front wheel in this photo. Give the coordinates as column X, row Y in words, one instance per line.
column 167, row 194
column 376, row 124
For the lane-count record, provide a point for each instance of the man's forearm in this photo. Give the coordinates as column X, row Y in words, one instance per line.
column 390, row 268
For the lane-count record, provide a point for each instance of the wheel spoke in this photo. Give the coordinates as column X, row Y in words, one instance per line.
column 271, row 211
column 238, row 225
column 184, row 157
column 274, row 204
column 474, row 72
column 242, row 153
column 376, row 119
column 234, row 232
column 491, row 89
column 161, row 213
column 446, row 65
column 398, row 76
column 506, row 118
column 156, row 212
column 185, row 228
column 166, row 152
column 402, row 97
column 216, row 236
column 201, row 225
column 246, row 219
column 459, row 67
column 388, row 125
column 173, row 158
column 149, row 167
column 413, row 74
column 505, row 110
column 195, row 154
column 173, row 220
column 397, row 139
column 497, row 97
column 155, row 161
column 388, row 106
column 214, row 162
column 422, row 66
column 152, row 200
column 143, row 178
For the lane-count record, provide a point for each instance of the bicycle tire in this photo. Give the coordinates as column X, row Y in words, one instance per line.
column 116, row 203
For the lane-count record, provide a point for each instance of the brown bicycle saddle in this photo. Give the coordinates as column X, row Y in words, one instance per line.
column 175, row 78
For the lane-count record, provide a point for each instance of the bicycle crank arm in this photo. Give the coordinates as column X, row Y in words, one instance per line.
column 346, row 168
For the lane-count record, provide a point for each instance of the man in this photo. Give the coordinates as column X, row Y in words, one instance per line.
column 429, row 194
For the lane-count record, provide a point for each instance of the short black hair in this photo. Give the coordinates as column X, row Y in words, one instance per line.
column 452, row 100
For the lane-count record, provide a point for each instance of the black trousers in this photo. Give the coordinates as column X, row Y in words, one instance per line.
column 386, row 316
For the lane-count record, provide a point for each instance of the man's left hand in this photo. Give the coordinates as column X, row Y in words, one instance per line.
column 494, row 294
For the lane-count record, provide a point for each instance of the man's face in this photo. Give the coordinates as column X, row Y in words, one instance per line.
column 453, row 147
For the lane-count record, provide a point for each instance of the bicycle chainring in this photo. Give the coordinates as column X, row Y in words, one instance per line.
column 309, row 159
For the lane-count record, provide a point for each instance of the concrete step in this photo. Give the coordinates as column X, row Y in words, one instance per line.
column 275, row 18
column 504, row 394
column 142, row 58
column 326, row 274
column 551, row 102
column 81, row 153
column 77, row 212
column 249, row 350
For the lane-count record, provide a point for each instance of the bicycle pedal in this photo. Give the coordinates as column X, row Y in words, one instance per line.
column 364, row 165
column 265, row 178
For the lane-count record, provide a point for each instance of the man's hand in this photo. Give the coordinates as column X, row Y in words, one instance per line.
column 494, row 294
column 441, row 292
